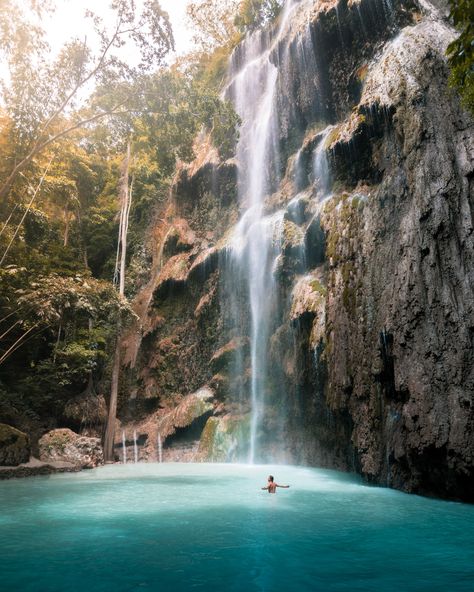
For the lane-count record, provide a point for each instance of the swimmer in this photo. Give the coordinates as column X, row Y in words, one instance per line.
column 272, row 486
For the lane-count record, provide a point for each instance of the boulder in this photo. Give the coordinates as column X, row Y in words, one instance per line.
column 64, row 445
column 14, row 446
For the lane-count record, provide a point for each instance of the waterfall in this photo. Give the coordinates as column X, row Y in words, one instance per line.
column 135, row 446
column 252, row 87
column 321, row 172
column 160, row 448
column 124, row 448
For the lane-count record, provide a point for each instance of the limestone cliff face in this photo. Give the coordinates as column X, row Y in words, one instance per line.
column 371, row 344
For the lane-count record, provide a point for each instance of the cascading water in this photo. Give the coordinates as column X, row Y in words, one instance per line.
column 257, row 240
column 321, row 165
column 135, row 446
column 124, row 448
column 160, row 448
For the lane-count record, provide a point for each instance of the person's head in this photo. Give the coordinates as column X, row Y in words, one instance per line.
column 270, row 478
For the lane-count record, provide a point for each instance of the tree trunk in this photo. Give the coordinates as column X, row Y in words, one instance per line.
column 125, row 200
column 66, row 227
column 110, row 430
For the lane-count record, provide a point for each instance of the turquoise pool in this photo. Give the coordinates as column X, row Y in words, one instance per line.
column 176, row 527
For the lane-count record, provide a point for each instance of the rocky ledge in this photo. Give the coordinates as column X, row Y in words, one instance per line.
column 36, row 468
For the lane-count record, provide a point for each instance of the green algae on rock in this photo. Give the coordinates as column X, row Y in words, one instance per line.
column 14, row 446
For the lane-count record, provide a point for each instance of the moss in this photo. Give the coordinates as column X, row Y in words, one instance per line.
column 59, row 439
column 8, row 433
column 362, row 72
column 224, row 438
column 228, row 353
column 198, row 407
column 332, row 245
column 14, row 446
column 318, row 287
column 333, row 137
column 293, row 238
column 208, row 436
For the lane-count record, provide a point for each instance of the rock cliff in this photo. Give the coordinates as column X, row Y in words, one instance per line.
column 368, row 351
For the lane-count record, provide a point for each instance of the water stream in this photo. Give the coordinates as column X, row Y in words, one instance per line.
column 160, row 448
column 124, row 448
column 135, row 446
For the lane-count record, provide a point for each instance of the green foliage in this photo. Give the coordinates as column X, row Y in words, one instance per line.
column 70, row 323
column 55, row 299
column 47, row 99
column 177, row 106
column 461, row 51
column 67, row 121
column 219, row 26
column 255, row 14
column 213, row 22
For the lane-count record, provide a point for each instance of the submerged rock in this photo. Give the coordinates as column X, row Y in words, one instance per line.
column 14, row 446
column 64, row 445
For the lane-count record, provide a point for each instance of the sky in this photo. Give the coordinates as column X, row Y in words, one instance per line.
column 68, row 20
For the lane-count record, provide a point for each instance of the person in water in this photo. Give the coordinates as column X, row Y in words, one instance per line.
column 272, row 486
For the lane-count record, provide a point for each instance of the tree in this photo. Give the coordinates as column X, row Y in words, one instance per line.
column 177, row 106
column 41, row 93
column 461, row 51
column 125, row 191
column 213, row 22
column 62, row 305
column 255, row 14
column 62, row 212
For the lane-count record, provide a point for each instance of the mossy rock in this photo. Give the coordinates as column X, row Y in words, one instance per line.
column 14, row 446
column 224, row 438
column 309, row 296
column 293, row 240
column 64, row 445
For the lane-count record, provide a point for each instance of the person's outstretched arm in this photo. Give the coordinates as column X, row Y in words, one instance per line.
column 283, row 486
column 265, row 487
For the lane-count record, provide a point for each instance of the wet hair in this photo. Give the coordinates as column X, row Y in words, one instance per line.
column 270, row 477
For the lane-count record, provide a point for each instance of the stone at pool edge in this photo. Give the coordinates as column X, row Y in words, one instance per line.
column 14, row 446
column 64, row 445
column 36, row 468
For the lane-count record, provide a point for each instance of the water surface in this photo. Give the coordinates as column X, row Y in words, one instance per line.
column 176, row 527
